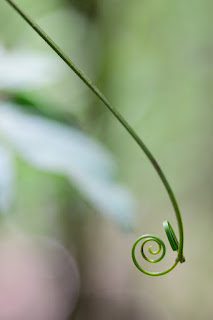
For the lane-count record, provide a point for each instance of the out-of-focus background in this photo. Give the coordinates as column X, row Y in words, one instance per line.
column 70, row 175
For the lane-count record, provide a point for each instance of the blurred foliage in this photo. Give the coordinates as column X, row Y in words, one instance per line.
column 153, row 60
column 89, row 8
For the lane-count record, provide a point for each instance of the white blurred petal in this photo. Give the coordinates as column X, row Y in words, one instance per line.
column 6, row 179
column 58, row 148
column 26, row 69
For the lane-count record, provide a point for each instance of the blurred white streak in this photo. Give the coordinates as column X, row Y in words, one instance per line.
column 6, row 179
column 54, row 147
column 24, row 69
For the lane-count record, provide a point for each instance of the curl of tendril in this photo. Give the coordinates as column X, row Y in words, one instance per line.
column 161, row 249
column 169, row 231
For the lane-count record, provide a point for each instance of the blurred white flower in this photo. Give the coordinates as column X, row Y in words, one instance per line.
column 24, row 69
column 55, row 147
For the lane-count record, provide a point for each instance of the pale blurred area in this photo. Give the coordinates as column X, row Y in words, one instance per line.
column 75, row 190
column 38, row 278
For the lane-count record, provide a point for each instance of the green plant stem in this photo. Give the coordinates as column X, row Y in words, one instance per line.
column 116, row 113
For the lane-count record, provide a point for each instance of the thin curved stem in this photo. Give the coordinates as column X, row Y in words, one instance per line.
column 117, row 114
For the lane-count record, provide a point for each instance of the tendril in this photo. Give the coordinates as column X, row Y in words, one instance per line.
column 161, row 249
column 178, row 246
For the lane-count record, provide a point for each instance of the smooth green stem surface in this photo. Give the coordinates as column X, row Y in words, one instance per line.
column 115, row 112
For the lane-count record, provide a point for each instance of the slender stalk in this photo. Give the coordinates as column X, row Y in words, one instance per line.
column 116, row 113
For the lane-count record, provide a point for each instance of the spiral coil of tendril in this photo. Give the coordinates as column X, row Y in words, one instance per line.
column 161, row 249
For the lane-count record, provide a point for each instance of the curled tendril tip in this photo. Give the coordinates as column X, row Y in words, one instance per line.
column 161, row 249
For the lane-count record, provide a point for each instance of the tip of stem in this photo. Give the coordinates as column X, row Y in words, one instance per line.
column 182, row 259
